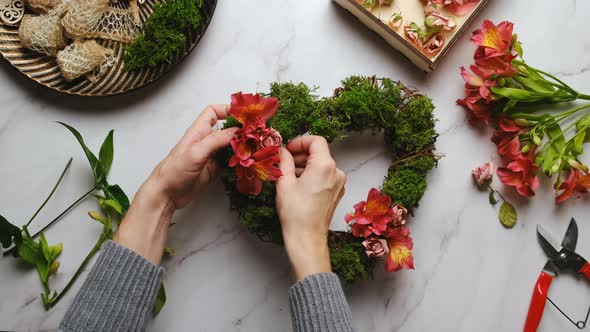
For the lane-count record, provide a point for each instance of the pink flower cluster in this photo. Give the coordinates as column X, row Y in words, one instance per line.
column 256, row 147
column 383, row 228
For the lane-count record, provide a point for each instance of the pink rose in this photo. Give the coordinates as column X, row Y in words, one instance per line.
column 434, row 44
column 482, row 174
column 271, row 138
column 375, row 247
column 400, row 214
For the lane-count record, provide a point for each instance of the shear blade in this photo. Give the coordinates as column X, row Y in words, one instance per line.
column 571, row 236
column 547, row 242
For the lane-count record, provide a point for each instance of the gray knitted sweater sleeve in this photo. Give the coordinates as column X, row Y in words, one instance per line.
column 121, row 288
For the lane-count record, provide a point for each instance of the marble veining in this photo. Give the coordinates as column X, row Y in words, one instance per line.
column 471, row 274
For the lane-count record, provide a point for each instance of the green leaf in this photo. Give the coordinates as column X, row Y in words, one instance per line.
column 508, row 215
column 160, row 300
column 534, row 84
column 553, row 152
column 113, row 204
column 29, row 251
column 97, row 168
column 8, row 232
column 115, row 192
column 106, row 153
column 515, row 94
column 45, row 248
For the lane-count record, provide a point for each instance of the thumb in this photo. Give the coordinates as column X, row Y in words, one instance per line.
column 211, row 143
column 287, row 165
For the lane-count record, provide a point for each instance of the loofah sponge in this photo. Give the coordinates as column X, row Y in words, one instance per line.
column 96, row 19
column 42, row 6
column 81, row 58
column 43, row 33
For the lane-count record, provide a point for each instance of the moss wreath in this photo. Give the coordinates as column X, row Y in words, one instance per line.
column 378, row 105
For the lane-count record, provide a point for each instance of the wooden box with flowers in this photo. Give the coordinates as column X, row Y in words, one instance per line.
column 422, row 30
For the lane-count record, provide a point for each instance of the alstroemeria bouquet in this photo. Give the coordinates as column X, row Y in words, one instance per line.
column 255, row 145
column 383, row 228
column 502, row 89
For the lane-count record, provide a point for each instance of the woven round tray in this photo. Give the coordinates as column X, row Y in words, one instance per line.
column 43, row 69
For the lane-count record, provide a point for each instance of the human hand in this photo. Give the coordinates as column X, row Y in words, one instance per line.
column 307, row 195
column 173, row 184
column 189, row 165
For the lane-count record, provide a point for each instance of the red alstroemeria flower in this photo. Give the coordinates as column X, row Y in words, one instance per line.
column 577, row 182
column 248, row 108
column 264, row 168
column 400, row 249
column 243, row 147
column 493, row 68
column 521, row 174
column 479, row 110
column 371, row 216
column 475, row 86
column 496, row 39
column 507, row 139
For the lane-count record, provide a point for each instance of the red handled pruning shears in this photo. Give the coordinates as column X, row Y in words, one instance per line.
column 564, row 259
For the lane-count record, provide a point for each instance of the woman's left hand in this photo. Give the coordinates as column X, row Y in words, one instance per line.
column 189, row 166
column 173, row 185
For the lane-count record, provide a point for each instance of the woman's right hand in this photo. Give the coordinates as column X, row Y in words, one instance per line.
column 307, row 195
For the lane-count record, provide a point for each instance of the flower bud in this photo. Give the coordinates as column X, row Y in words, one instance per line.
column 501, row 81
column 556, row 166
column 522, row 122
column 537, row 140
column 96, row 216
column 525, row 149
column 53, row 267
column 577, row 165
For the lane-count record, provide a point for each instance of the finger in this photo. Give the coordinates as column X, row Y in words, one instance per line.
column 300, row 160
column 299, row 171
column 311, row 145
column 287, row 165
column 207, row 119
column 203, row 149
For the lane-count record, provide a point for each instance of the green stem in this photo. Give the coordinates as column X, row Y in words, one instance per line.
column 91, row 254
column 556, row 79
column 63, row 173
column 565, row 115
column 583, row 96
column 56, row 219
column 63, row 213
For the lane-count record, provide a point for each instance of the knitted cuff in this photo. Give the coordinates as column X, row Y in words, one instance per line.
column 118, row 294
column 318, row 304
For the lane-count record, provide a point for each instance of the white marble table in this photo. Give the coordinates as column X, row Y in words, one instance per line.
column 471, row 273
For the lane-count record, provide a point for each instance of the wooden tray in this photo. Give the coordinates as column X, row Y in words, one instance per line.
column 44, row 70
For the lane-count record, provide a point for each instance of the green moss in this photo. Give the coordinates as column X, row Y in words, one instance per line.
column 421, row 164
column 413, row 126
column 367, row 104
column 404, row 186
column 297, row 103
column 163, row 33
column 349, row 261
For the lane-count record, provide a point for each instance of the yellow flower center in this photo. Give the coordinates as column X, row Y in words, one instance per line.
column 492, row 38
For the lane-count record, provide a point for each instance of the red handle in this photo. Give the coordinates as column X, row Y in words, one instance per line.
column 538, row 302
column 585, row 270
